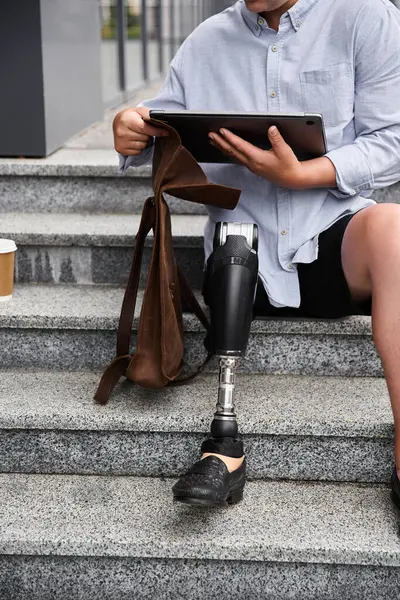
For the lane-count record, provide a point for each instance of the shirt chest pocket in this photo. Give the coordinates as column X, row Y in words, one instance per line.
column 329, row 91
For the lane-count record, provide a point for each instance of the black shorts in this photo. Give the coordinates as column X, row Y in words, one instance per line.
column 323, row 287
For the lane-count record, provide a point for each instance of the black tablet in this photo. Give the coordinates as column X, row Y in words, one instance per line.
column 302, row 131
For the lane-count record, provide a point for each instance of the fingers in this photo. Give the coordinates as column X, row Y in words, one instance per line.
column 149, row 130
column 140, row 137
column 279, row 146
column 140, row 128
column 132, row 133
column 131, row 147
column 235, row 147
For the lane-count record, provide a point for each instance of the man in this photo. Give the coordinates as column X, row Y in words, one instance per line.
column 326, row 249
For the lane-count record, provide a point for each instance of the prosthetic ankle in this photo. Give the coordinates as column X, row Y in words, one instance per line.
column 229, row 290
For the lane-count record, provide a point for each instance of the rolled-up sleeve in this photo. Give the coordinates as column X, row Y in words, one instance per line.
column 372, row 161
column 170, row 97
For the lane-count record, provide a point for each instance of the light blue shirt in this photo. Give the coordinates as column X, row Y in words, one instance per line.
column 340, row 58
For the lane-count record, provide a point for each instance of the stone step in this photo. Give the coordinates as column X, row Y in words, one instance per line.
column 293, row 427
column 74, row 327
column 75, row 536
column 76, row 180
column 85, row 249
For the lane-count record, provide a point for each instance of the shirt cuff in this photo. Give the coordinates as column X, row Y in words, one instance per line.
column 135, row 161
column 353, row 172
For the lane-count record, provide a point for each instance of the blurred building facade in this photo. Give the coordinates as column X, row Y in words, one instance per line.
column 140, row 37
column 65, row 61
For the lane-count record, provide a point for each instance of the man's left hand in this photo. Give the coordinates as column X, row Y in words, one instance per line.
column 279, row 165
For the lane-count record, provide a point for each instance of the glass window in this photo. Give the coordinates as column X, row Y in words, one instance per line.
column 133, row 45
column 153, row 9
column 176, row 15
column 166, row 34
column 109, row 50
column 144, row 35
column 197, row 12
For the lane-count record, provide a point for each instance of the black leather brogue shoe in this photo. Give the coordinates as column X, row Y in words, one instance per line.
column 209, row 483
column 395, row 494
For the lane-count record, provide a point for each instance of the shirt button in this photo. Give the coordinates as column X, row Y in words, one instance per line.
column 274, row 48
column 273, row 94
column 283, row 232
column 291, row 267
column 260, row 21
column 298, row 23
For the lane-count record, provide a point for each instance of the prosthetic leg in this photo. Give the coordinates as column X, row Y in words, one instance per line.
column 229, row 290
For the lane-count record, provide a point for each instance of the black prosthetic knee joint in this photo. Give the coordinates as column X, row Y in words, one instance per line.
column 229, row 289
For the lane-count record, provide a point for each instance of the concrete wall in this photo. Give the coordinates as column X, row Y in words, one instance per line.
column 22, row 130
column 71, row 67
column 50, row 75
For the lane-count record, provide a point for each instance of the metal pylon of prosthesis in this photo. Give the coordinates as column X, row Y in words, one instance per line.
column 229, row 290
column 224, row 423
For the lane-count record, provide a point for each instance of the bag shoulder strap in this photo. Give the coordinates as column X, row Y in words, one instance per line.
column 129, row 303
column 195, row 307
column 185, row 380
column 118, row 367
column 191, row 299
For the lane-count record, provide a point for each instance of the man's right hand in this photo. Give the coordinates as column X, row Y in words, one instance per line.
column 131, row 132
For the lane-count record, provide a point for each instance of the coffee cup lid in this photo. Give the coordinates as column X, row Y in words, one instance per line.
column 7, row 246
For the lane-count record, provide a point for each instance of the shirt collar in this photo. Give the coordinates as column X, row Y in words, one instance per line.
column 297, row 14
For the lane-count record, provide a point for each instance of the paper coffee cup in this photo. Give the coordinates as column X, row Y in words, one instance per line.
column 7, row 259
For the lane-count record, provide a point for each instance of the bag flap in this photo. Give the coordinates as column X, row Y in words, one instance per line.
column 159, row 351
column 177, row 173
column 172, row 345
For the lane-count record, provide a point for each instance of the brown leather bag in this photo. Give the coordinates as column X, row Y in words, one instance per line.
column 158, row 359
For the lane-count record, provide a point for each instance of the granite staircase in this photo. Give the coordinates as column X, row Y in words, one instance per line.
column 86, row 490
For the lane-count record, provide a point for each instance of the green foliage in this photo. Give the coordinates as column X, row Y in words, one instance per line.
column 134, row 32
column 133, row 23
column 132, row 19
